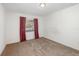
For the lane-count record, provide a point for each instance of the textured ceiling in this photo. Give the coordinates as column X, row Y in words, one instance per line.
column 35, row 9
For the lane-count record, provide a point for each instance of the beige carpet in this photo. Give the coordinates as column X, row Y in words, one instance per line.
column 39, row 47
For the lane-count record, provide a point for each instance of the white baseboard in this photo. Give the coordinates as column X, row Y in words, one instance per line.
column 2, row 49
column 53, row 39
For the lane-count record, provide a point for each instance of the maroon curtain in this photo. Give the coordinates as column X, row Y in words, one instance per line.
column 36, row 28
column 22, row 29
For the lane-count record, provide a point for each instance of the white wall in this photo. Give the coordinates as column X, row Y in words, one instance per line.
column 63, row 26
column 2, row 44
column 12, row 26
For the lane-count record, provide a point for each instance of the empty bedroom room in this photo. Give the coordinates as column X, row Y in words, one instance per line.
column 39, row 29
